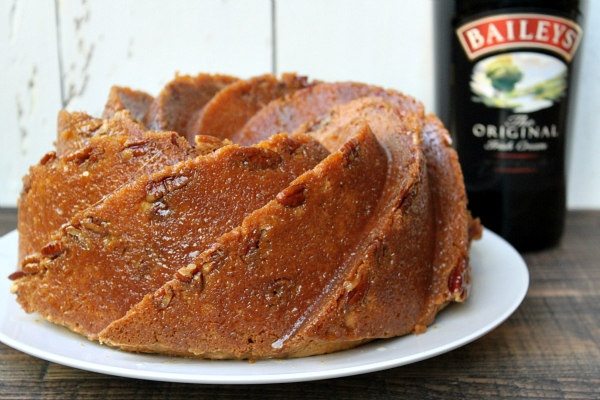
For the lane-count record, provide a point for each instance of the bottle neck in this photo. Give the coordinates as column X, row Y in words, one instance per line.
column 567, row 8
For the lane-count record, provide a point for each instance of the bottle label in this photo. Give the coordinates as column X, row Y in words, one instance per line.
column 510, row 97
column 506, row 31
column 521, row 84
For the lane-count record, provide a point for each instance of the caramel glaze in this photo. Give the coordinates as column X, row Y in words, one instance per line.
column 76, row 128
column 454, row 226
column 287, row 114
column 123, row 98
column 181, row 99
column 361, row 304
column 264, row 276
column 453, row 221
column 228, row 111
column 110, row 255
column 49, row 200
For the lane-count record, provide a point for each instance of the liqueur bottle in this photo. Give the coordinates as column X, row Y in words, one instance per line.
column 504, row 95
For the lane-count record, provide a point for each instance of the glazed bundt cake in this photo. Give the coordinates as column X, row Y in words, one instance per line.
column 298, row 218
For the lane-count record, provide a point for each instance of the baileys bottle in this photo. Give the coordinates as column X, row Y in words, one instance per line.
column 506, row 92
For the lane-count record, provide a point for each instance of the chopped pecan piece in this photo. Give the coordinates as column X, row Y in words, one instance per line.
column 292, row 196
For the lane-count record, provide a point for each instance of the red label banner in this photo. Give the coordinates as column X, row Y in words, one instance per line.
column 499, row 32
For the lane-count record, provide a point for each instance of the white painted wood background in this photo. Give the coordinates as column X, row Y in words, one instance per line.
column 67, row 53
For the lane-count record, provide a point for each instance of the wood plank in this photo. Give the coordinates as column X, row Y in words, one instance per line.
column 29, row 89
column 583, row 140
column 142, row 45
column 388, row 42
column 8, row 220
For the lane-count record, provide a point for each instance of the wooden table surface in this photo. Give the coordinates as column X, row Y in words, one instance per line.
column 550, row 348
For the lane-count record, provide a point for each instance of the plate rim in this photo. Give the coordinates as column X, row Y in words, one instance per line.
column 165, row 376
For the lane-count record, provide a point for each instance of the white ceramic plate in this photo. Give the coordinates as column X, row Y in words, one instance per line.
column 500, row 281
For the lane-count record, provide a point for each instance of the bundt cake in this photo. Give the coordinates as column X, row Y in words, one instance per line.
column 182, row 100
column 58, row 187
column 241, row 100
column 301, row 218
column 123, row 98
